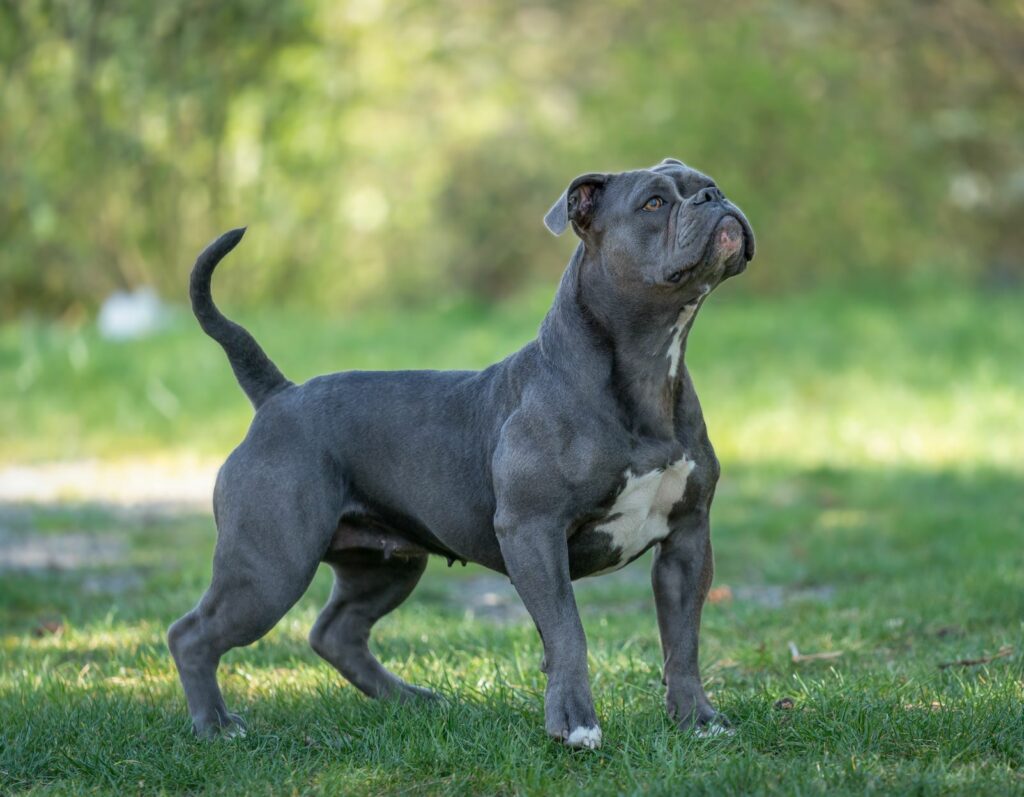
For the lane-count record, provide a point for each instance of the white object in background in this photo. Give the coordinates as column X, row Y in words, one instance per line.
column 125, row 316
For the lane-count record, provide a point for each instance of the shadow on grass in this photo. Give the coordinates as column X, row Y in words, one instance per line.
column 895, row 570
column 926, row 536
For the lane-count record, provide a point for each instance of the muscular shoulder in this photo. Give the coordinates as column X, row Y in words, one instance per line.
column 550, row 457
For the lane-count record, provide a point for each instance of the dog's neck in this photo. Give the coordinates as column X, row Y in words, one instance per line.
column 627, row 348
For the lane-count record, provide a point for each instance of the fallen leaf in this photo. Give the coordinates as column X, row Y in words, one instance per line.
column 722, row 594
column 1004, row 651
column 784, row 704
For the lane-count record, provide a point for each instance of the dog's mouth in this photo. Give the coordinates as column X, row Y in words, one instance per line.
column 726, row 239
column 730, row 238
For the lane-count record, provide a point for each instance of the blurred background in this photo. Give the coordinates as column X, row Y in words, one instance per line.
column 863, row 381
column 402, row 151
column 399, row 156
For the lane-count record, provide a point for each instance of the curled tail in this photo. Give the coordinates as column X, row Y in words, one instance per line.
column 258, row 376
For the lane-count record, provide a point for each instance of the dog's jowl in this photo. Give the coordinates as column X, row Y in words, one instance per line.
column 568, row 459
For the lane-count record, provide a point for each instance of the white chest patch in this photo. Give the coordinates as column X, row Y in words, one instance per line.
column 639, row 516
column 675, row 344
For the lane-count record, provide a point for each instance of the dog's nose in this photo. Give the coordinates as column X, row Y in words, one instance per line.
column 709, row 194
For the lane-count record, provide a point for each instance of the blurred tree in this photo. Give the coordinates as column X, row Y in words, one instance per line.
column 960, row 72
column 112, row 134
column 407, row 149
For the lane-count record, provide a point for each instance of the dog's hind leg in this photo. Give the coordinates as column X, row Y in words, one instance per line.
column 367, row 586
column 262, row 565
column 238, row 608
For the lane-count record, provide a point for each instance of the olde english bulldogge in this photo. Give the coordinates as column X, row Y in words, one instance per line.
column 569, row 458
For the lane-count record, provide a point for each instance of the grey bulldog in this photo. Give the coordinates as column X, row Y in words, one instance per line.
column 569, row 458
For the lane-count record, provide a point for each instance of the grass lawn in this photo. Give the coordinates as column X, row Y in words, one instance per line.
column 872, row 507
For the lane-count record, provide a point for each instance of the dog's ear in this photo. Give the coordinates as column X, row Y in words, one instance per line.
column 577, row 204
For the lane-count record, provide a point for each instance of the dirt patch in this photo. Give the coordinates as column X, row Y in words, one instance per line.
column 775, row 597
column 487, row 597
column 493, row 598
column 74, row 551
column 89, row 562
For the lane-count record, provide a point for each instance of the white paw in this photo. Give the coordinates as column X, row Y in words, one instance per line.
column 585, row 737
column 711, row 730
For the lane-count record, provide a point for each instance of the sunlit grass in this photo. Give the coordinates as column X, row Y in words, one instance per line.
column 871, row 506
column 923, row 379
column 900, row 570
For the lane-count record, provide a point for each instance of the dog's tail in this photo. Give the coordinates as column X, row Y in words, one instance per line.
column 258, row 376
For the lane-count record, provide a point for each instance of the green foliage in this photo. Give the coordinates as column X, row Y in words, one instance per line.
column 408, row 149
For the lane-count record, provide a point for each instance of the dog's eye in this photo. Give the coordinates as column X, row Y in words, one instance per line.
column 654, row 203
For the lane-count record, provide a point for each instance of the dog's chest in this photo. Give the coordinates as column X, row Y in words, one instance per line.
column 638, row 518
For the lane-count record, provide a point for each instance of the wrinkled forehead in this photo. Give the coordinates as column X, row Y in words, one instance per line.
column 683, row 175
column 630, row 187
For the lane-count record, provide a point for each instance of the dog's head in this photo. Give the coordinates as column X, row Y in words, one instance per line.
column 667, row 230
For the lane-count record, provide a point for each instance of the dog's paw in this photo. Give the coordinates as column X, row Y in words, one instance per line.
column 569, row 716
column 422, row 694
column 585, row 738
column 410, row 695
column 698, row 716
column 223, row 726
column 692, row 711
column 718, row 726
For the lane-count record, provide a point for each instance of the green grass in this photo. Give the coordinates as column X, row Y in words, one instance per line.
column 872, row 503
column 932, row 379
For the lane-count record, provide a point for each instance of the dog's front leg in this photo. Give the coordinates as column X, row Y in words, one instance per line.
column 681, row 576
column 537, row 561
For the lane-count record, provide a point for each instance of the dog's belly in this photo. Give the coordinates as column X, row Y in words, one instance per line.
column 636, row 520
